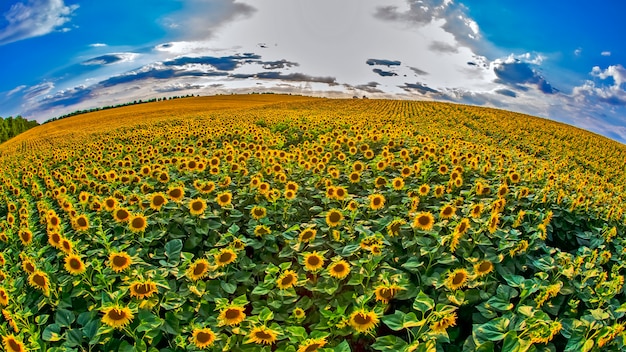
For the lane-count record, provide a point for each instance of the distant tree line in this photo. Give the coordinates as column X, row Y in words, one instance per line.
column 134, row 102
column 12, row 126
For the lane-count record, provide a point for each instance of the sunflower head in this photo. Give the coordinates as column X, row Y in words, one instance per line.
column 197, row 206
column 313, row 261
column 224, row 199
column 117, row 317
column 119, row 261
column 198, row 269
column 258, row 212
column 456, row 279
column 137, row 223
column 483, row 268
column 74, row 264
column 287, row 280
column 424, row 221
column 262, row 335
column 333, row 217
column 12, row 344
column 39, row 280
column 307, row 235
column 377, row 201
column 363, row 321
column 339, row 269
column 157, row 201
column 231, row 315
column 225, row 257
column 143, row 289
column 203, row 338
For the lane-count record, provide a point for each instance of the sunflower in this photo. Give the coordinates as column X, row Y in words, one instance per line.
column 117, row 317
column 4, row 296
column 333, row 217
column 258, row 212
column 447, row 211
column 494, row 220
column 121, row 215
column 197, row 206
column 231, row 315
column 81, row 223
column 290, row 195
column 2, row 260
column 28, row 266
column 476, row 210
column 225, row 257
column 443, row 323
column 424, row 221
column 298, row 313
column 313, row 261
column 307, row 235
column 377, row 201
column 397, row 183
column 352, row 206
column 380, row 182
column 143, row 289
column 54, row 239
column 483, row 268
column 385, row 293
column 26, row 236
column 207, row 187
column 423, row 190
column 74, row 265
column 203, row 338
column 119, row 261
column 198, row 269
column 287, row 280
column 354, row 177
column 393, row 229
column 340, row 193
column 363, row 321
column 40, row 281
column 138, row 223
column 53, row 221
column 262, row 335
column 456, row 279
column 12, row 344
column 261, row 230
column 224, row 199
column 439, row 190
column 176, row 194
column 110, row 203
column 462, row 227
column 66, row 246
column 339, row 269
column 312, row 345
column 157, row 201
column 292, row 186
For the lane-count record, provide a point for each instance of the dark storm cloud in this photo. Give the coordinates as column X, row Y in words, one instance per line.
column 517, row 72
column 104, row 59
column 442, row 47
column 224, row 63
column 507, row 92
column 298, row 77
column 177, row 87
column 272, row 65
column 384, row 73
column 66, row 97
column 37, row 90
column 382, row 62
column 418, row 71
column 420, row 87
column 157, row 73
column 369, row 87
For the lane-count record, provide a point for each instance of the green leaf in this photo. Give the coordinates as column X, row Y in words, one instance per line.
column 91, row 329
column 389, row 343
column 394, row 321
column 64, row 318
column 266, row 315
column 74, row 337
column 172, row 251
column 228, row 287
column 343, row 347
column 493, row 330
column 52, row 332
column 423, row 303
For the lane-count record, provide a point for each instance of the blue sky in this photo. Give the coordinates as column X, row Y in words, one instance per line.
column 554, row 59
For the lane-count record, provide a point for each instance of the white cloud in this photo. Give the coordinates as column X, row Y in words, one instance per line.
column 605, row 53
column 97, row 45
column 616, row 72
column 34, row 18
column 16, row 90
column 578, row 51
column 592, row 92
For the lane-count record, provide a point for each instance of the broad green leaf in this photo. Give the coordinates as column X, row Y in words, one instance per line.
column 423, row 303
column 172, row 251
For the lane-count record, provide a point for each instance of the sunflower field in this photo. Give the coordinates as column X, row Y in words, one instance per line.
column 294, row 224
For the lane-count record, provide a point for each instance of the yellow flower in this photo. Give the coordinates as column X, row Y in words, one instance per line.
column 142, row 289
column 424, row 189
column 307, row 235
column 424, row 221
column 4, row 296
column 117, row 317
column 198, row 269
column 119, row 261
column 377, row 201
column 121, row 215
column 333, row 217
column 443, row 323
column 26, row 236
column 40, row 280
column 261, row 230
column 258, row 212
column 312, row 345
column 224, row 199
column 298, row 313
column 447, row 212
column 385, row 293
column 138, row 223
column 287, row 280
column 197, row 206
column 81, row 223
column 262, row 335
column 397, row 183
column 393, row 229
column 176, row 193
column 483, row 268
column 203, row 338
column 363, row 321
column 313, row 261
column 231, row 315
column 477, row 209
column 339, row 269
column 456, row 279
column 225, row 257
column 12, row 344
column 74, row 265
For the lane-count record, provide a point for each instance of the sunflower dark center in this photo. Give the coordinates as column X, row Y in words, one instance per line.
column 204, row 337
column 262, row 335
column 40, row 280
column 312, row 347
column 197, row 205
column 484, row 267
column 313, row 260
column 82, row 222
column 119, row 261
column 334, row 216
column 29, row 267
column 287, row 280
column 199, row 269
column 232, row 314
column 307, row 235
column 54, row 221
column 75, row 263
column 224, row 198
column 423, row 220
column 158, row 200
column 225, row 257
column 142, row 289
column 15, row 346
column 138, row 223
column 339, row 268
column 458, row 278
column 175, row 193
column 117, row 314
column 362, row 319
